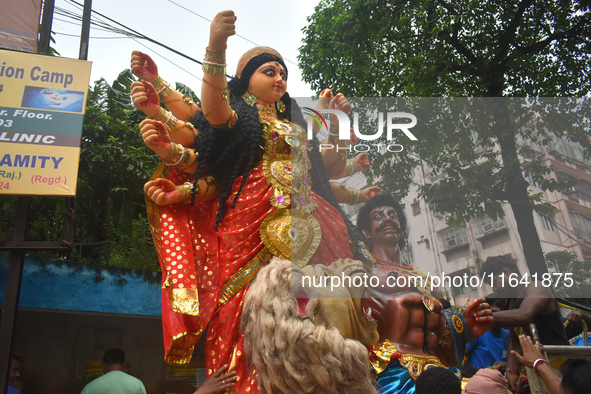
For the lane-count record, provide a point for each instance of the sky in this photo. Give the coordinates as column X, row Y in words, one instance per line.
column 182, row 25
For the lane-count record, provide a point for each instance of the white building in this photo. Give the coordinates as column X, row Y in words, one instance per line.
column 439, row 249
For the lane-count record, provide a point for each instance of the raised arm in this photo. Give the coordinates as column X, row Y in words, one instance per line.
column 348, row 195
column 215, row 95
column 164, row 192
column 157, row 138
column 145, row 98
column 359, row 163
column 181, row 106
column 335, row 150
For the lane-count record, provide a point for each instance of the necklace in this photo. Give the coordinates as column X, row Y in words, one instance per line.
column 393, row 264
column 268, row 111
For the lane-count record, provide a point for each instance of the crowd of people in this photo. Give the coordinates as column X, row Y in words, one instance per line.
column 240, row 184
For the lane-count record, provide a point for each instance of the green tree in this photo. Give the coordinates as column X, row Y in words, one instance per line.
column 462, row 48
column 565, row 261
column 114, row 165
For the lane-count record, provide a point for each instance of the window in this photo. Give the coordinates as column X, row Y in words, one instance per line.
column 530, row 179
column 582, row 189
column 453, row 236
column 485, row 225
column 530, row 145
column 416, row 208
column 569, row 149
column 582, row 225
column 546, row 222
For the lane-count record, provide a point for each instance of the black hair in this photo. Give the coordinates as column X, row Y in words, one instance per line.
column 250, row 68
column 388, row 200
column 575, row 376
column 495, row 265
column 114, row 356
column 230, row 154
column 438, row 380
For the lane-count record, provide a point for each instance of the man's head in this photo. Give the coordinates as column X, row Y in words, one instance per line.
column 504, row 271
column 575, row 376
column 15, row 369
column 113, row 359
column 438, row 379
column 382, row 219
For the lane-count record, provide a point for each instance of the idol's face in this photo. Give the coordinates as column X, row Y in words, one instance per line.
column 384, row 226
column 269, row 82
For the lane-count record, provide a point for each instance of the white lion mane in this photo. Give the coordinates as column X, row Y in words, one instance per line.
column 291, row 353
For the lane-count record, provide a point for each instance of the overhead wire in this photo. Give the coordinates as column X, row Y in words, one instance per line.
column 209, row 20
column 167, row 59
column 103, row 25
column 140, row 35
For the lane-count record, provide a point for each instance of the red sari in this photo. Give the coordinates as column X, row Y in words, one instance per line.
column 205, row 274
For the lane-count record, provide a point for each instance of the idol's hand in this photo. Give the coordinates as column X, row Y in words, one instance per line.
column 324, row 98
column 370, row 192
column 156, row 137
column 340, row 102
column 223, row 26
column 162, row 192
column 142, row 66
column 479, row 316
column 362, row 161
column 352, row 137
column 145, row 98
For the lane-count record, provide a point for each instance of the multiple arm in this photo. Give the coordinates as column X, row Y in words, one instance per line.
column 334, row 153
column 144, row 68
column 215, row 95
column 348, row 195
column 169, row 134
column 149, row 94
